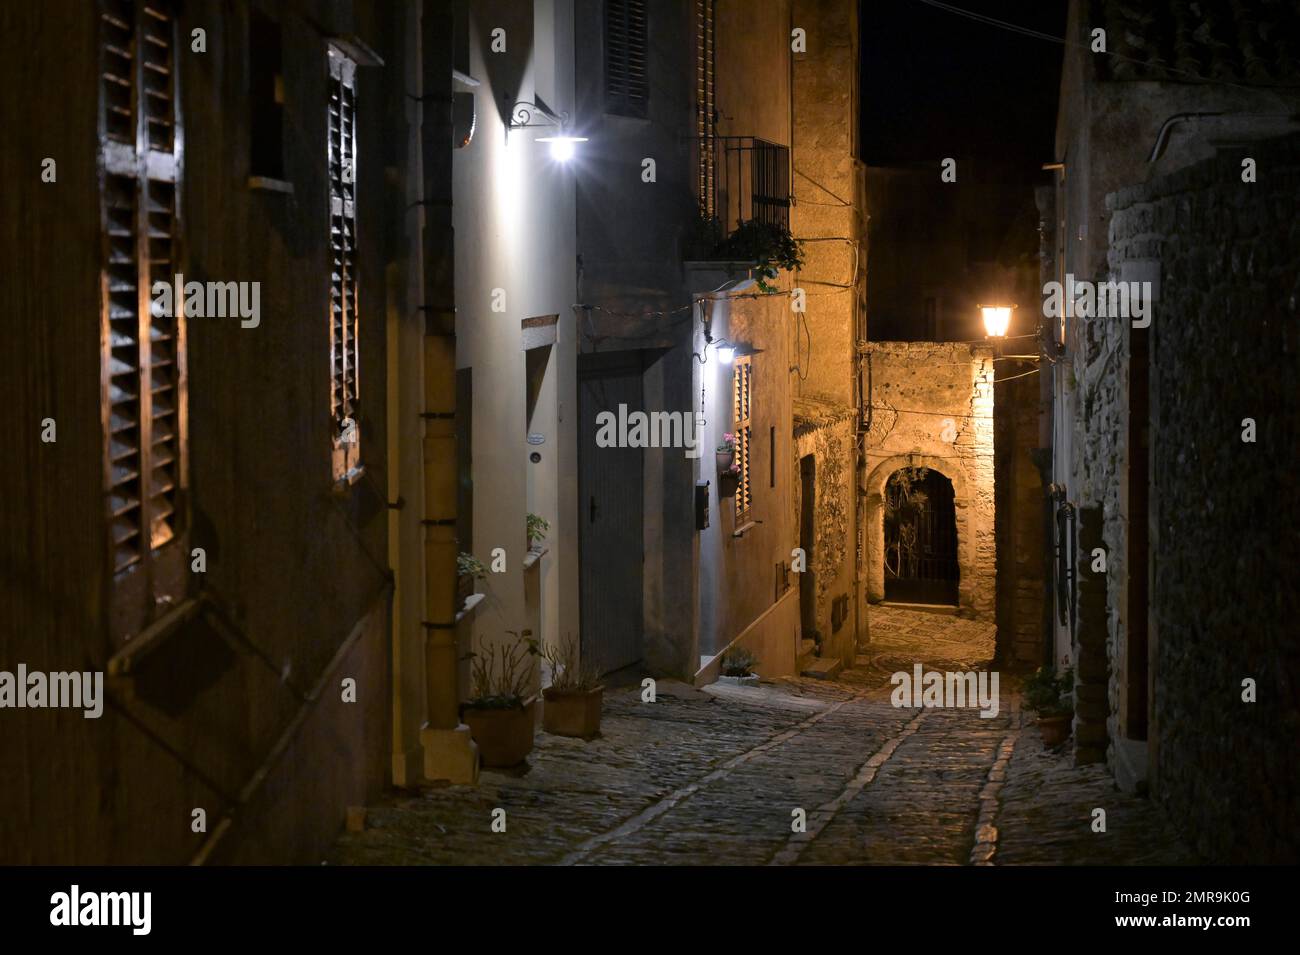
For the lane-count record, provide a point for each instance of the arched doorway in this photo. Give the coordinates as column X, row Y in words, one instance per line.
column 920, row 525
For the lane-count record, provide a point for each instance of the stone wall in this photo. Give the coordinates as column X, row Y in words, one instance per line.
column 1225, row 528
column 932, row 405
column 1020, row 529
column 826, row 431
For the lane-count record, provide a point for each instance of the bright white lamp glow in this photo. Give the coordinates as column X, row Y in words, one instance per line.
column 562, row 147
column 997, row 318
column 726, row 354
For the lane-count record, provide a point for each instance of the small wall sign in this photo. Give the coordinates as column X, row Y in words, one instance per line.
column 535, row 438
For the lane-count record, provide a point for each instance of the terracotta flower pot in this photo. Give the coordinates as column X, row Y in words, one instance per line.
column 724, row 460
column 1054, row 729
column 572, row 712
column 504, row 736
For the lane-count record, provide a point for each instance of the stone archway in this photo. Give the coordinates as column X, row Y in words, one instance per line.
column 971, row 598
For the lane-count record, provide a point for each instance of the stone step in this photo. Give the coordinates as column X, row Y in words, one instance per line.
column 822, row 668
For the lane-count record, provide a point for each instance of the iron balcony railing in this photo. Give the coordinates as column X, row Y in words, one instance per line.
column 742, row 178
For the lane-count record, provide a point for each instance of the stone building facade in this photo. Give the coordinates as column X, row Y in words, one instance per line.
column 1224, row 528
column 931, row 406
column 1150, row 189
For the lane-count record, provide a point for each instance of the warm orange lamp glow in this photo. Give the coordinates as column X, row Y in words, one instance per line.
column 997, row 319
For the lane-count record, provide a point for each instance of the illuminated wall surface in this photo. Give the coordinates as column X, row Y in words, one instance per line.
column 494, row 433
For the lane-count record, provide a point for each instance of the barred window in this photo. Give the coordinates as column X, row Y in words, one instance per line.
column 142, row 353
column 742, row 394
column 344, row 376
column 626, row 87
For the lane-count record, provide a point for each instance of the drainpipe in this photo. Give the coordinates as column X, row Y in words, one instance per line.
column 449, row 752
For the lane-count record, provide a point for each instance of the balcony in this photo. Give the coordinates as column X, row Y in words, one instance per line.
column 742, row 179
column 742, row 185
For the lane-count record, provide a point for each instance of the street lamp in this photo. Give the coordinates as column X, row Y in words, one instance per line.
column 997, row 319
column 522, row 115
column 562, row 147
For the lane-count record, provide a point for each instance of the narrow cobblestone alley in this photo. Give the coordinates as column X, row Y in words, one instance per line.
column 716, row 776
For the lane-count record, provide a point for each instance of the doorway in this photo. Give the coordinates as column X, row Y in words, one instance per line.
column 807, row 542
column 610, row 501
column 920, row 538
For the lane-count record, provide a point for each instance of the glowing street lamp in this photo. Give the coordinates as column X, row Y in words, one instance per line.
column 525, row 115
column 562, row 147
column 997, row 319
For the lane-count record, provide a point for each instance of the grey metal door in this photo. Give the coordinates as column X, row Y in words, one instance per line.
column 610, row 518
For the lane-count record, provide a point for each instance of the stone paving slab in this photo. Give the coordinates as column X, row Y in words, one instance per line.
column 712, row 776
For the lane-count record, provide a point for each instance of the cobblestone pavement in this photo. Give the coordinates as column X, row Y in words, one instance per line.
column 719, row 776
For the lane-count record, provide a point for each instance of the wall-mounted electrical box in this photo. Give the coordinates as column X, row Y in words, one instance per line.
column 701, row 505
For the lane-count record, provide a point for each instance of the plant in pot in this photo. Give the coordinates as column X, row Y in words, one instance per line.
column 738, row 667
column 1048, row 695
column 770, row 246
column 468, row 569
column 537, row 527
column 499, row 716
column 725, row 453
column 571, row 704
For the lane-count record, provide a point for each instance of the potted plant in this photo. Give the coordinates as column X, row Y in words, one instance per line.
column 468, row 569
column 536, row 527
column 1048, row 695
column 571, row 704
column 767, row 246
column 738, row 667
column 725, row 453
column 499, row 716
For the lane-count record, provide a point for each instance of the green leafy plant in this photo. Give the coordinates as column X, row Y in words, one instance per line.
column 500, row 673
column 738, row 662
column 569, row 672
column 771, row 246
column 1047, row 694
column 467, row 565
column 537, row 527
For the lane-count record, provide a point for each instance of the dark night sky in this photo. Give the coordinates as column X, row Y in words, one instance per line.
column 937, row 84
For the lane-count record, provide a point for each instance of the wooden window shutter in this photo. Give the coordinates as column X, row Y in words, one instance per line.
column 742, row 410
column 142, row 354
column 626, row 85
column 344, row 373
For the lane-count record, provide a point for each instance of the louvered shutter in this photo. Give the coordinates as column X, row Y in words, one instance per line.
column 626, row 86
column 742, row 400
column 344, row 377
column 143, row 355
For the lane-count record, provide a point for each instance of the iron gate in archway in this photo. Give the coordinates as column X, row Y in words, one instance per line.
column 920, row 538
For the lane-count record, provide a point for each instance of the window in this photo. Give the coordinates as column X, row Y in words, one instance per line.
column 626, row 87
column 343, row 275
column 142, row 354
column 742, row 392
column 265, row 98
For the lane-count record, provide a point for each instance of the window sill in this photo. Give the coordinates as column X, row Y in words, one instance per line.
column 471, row 605
column 744, row 528
column 267, row 184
